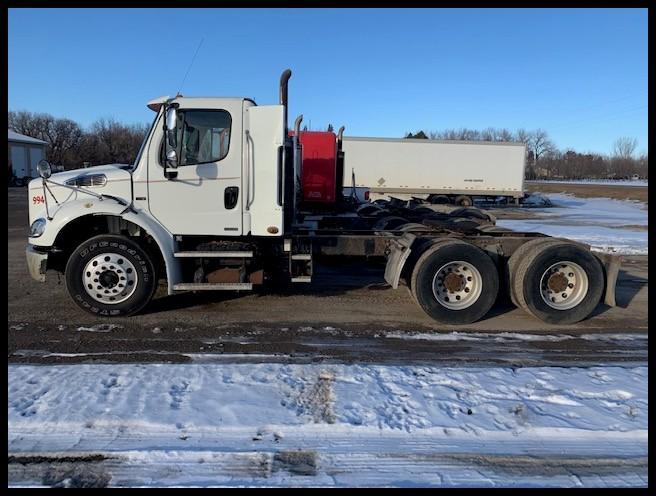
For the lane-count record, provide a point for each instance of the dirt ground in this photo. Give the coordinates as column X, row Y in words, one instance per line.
column 619, row 192
column 345, row 301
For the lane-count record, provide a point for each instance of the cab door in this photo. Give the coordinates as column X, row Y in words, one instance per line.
column 205, row 198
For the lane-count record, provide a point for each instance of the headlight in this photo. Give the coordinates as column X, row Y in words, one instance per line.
column 37, row 228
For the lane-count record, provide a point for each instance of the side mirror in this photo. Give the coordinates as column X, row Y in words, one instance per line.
column 171, row 125
column 172, row 159
column 44, row 169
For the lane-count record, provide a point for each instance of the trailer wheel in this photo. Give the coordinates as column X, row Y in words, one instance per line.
column 559, row 283
column 463, row 201
column 455, row 282
column 110, row 276
column 18, row 181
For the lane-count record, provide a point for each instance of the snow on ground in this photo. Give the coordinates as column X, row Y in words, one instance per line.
column 613, row 226
column 280, row 424
column 606, row 182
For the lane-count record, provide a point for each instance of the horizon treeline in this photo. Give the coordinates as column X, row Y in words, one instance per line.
column 108, row 141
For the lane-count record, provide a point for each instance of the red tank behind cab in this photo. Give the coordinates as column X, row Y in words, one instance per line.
column 318, row 178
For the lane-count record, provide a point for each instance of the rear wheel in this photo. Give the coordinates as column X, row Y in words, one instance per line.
column 455, row 282
column 513, row 262
column 111, row 276
column 559, row 283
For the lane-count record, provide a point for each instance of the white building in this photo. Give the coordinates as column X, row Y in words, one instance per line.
column 24, row 153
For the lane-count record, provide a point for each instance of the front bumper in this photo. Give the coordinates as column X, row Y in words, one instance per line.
column 36, row 263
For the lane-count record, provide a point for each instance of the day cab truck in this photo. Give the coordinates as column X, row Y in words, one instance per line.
column 223, row 195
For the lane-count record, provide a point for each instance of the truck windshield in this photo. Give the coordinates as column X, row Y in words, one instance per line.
column 143, row 143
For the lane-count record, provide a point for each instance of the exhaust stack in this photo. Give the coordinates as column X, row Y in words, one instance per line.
column 284, row 80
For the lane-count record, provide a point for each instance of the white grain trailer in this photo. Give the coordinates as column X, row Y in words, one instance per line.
column 441, row 171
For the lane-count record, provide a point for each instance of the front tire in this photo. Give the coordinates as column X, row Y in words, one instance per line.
column 111, row 276
column 455, row 282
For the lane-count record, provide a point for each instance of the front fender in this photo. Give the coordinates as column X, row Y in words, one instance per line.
column 73, row 210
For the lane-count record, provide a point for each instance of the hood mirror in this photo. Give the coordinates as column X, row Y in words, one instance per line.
column 44, row 169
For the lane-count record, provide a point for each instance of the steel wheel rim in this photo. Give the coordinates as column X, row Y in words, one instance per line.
column 109, row 278
column 564, row 285
column 457, row 285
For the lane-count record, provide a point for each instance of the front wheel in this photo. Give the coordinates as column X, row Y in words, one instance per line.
column 455, row 282
column 111, row 276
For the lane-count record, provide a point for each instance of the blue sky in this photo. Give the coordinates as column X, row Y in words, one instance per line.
column 581, row 74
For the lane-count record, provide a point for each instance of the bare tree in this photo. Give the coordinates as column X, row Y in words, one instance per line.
column 522, row 136
column 62, row 135
column 540, row 144
column 625, row 147
column 622, row 161
column 117, row 143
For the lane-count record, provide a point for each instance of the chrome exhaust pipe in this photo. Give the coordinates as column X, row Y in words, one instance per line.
column 297, row 125
column 284, row 80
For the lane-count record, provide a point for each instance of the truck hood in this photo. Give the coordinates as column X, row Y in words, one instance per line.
column 111, row 171
column 117, row 184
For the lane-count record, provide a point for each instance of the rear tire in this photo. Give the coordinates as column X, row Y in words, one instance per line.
column 455, row 282
column 559, row 283
column 513, row 262
column 110, row 276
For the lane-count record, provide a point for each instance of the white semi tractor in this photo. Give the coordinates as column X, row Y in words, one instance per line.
column 224, row 196
column 448, row 172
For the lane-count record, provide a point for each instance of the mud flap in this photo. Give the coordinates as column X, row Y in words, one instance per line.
column 399, row 253
column 611, row 264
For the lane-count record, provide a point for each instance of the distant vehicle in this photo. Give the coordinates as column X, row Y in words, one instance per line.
column 455, row 172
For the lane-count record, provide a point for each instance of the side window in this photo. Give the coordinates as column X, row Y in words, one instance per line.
column 203, row 136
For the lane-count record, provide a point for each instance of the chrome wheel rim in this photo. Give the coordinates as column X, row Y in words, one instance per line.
column 564, row 285
column 109, row 278
column 457, row 285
